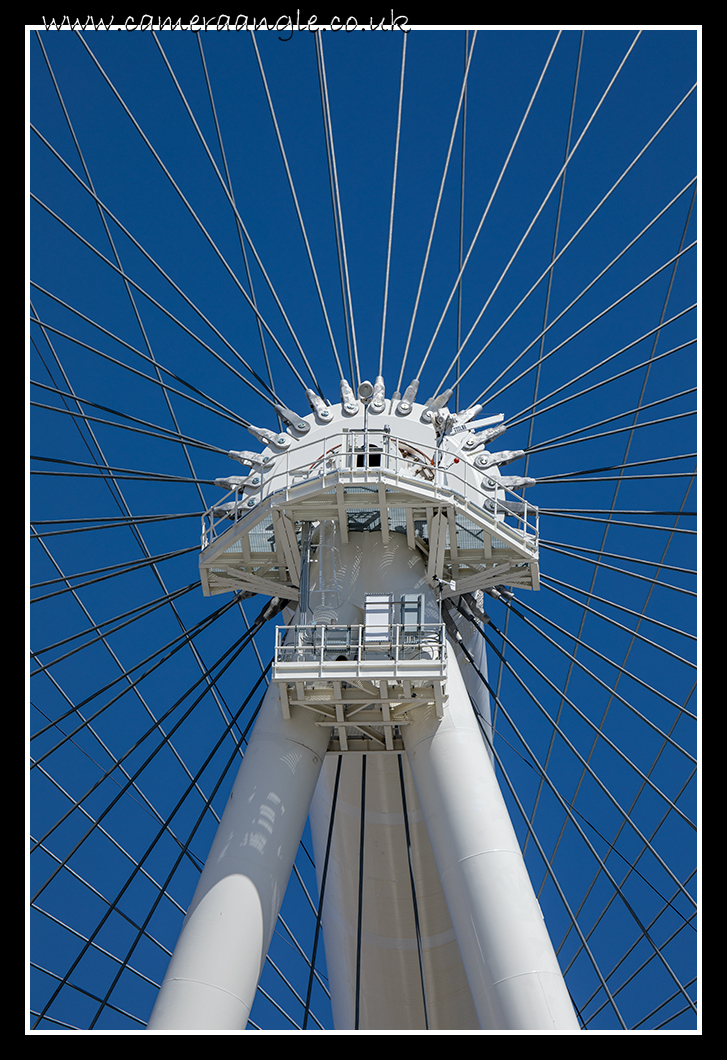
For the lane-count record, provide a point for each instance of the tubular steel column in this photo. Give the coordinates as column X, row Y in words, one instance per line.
column 213, row 975
column 511, row 966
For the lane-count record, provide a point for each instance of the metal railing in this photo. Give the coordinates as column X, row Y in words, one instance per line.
column 310, row 651
column 360, row 458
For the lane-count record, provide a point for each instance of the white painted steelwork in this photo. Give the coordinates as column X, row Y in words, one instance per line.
column 482, row 956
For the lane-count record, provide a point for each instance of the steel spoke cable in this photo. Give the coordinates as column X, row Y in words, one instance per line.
column 197, row 824
column 103, row 522
column 523, row 414
column 106, row 953
column 599, row 276
column 172, row 647
column 618, row 625
column 294, row 992
column 115, row 252
column 204, row 231
column 553, row 186
column 86, row 993
column 531, row 832
column 668, row 903
column 619, row 570
column 359, row 922
column 621, row 671
column 544, row 447
column 301, row 953
column 115, row 570
column 233, row 651
column 322, row 894
column 155, row 302
column 650, row 958
column 297, row 206
column 153, row 844
column 583, row 762
column 463, row 266
column 425, row 263
column 551, row 442
column 233, row 204
column 133, row 685
column 107, row 835
column 240, row 238
column 460, row 248
column 565, row 513
column 338, row 213
column 355, row 375
column 214, row 406
column 550, row 581
column 624, row 559
column 412, row 884
column 154, row 430
column 135, row 613
column 142, row 801
column 571, row 817
column 556, row 234
column 614, row 694
column 393, row 198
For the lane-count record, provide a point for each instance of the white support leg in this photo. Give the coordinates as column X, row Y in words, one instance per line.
column 511, row 966
column 213, row 975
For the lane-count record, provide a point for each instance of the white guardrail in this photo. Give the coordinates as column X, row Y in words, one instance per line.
column 360, row 458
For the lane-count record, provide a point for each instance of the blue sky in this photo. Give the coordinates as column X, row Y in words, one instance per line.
column 73, row 283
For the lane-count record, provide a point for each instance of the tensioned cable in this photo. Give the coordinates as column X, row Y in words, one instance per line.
column 117, row 258
column 612, row 378
column 104, row 522
column 152, row 430
column 237, row 214
column 460, row 248
column 337, row 211
column 436, row 210
column 580, row 331
column 204, row 231
column 619, row 570
column 570, row 513
column 580, row 758
column 618, row 625
column 490, row 744
column 393, row 197
column 599, row 860
column 557, row 440
column 532, row 223
column 143, row 611
column 173, row 646
column 216, row 407
column 564, row 248
column 490, row 201
column 324, row 877
column 153, row 300
column 238, row 227
column 297, row 206
column 359, row 924
column 621, row 671
column 142, row 801
column 412, row 884
column 548, row 579
column 102, row 206
column 233, row 652
column 152, row 845
column 556, row 233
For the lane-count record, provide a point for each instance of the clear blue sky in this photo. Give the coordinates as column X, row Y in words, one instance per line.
column 363, row 73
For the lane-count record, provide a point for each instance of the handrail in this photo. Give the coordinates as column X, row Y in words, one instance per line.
column 400, row 458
